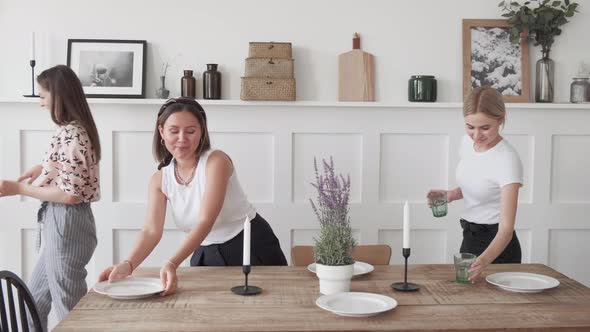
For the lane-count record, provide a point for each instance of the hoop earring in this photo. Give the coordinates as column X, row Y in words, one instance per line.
column 162, row 142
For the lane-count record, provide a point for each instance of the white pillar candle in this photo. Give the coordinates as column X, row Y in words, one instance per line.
column 32, row 46
column 406, row 242
column 247, row 241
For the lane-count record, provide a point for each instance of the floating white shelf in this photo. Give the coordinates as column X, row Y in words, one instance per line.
column 329, row 104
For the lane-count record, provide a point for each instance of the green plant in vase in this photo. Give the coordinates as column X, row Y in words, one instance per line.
column 333, row 248
column 539, row 21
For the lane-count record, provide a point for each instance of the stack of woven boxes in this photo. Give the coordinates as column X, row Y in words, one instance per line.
column 269, row 72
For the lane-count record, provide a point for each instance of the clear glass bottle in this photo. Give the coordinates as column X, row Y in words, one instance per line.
column 580, row 90
column 545, row 79
column 162, row 92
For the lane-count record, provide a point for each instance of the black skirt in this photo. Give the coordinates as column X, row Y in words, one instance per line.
column 477, row 238
column 265, row 249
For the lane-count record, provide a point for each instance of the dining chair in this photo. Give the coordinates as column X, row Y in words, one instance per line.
column 25, row 303
column 374, row 254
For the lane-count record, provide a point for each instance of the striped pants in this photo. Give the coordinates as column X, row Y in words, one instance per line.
column 69, row 237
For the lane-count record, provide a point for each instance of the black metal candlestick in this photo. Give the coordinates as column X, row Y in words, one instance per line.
column 405, row 286
column 245, row 289
column 32, row 62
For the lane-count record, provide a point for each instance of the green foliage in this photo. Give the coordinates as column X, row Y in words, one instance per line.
column 538, row 20
column 334, row 246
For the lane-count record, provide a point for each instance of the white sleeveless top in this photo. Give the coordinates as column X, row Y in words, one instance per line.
column 185, row 203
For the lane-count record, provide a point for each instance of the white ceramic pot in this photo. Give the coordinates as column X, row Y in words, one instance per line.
column 334, row 279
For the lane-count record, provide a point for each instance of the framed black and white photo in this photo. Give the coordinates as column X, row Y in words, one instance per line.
column 109, row 68
column 489, row 58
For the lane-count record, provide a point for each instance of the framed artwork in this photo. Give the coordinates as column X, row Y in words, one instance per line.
column 109, row 68
column 489, row 58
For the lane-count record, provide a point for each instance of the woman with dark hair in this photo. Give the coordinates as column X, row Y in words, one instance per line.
column 201, row 188
column 66, row 182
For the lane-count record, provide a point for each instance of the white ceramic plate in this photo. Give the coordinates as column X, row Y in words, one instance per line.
column 522, row 282
column 356, row 304
column 130, row 288
column 359, row 268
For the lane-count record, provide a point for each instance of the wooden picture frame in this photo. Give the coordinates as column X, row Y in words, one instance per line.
column 109, row 68
column 489, row 58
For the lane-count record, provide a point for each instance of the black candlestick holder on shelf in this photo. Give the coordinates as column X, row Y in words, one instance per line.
column 32, row 63
column 405, row 286
column 246, row 289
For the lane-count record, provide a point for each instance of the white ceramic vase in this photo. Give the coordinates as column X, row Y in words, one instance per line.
column 334, row 278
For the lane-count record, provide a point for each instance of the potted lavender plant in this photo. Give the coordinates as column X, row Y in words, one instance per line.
column 333, row 248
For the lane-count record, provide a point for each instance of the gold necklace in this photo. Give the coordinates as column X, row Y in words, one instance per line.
column 180, row 179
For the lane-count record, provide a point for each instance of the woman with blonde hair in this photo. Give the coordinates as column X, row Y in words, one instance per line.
column 489, row 176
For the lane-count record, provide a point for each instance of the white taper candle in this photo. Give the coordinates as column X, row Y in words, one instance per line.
column 247, row 241
column 32, row 46
column 406, row 240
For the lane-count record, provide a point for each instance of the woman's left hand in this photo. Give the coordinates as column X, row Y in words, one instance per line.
column 169, row 278
column 9, row 188
column 475, row 272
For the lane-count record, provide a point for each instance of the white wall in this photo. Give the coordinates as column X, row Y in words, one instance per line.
column 407, row 37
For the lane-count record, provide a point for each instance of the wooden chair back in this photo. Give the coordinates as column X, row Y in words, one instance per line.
column 377, row 254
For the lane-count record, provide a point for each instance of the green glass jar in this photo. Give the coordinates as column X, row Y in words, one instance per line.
column 422, row 88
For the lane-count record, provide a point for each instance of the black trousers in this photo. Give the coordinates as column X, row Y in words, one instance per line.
column 477, row 237
column 264, row 249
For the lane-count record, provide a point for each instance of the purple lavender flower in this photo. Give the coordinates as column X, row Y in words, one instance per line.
column 333, row 195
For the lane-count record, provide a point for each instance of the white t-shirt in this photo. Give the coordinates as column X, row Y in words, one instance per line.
column 185, row 203
column 481, row 176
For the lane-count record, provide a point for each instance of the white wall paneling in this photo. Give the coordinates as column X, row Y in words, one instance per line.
column 568, row 252
column 569, row 170
column 254, row 159
column 130, row 178
column 393, row 153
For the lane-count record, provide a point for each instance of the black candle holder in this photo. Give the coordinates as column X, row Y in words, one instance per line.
column 246, row 289
column 405, row 286
column 32, row 63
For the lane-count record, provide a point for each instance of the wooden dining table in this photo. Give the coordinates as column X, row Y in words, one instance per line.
column 204, row 302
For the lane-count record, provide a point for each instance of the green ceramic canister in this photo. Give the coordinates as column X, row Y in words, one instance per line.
column 422, row 88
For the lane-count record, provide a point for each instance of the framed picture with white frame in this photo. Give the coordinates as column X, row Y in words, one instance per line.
column 109, row 68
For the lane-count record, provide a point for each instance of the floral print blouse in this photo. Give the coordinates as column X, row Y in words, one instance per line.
column 70, row 164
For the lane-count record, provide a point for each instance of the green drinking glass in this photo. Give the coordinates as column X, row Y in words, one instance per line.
column 463, row 262
column 438, row 203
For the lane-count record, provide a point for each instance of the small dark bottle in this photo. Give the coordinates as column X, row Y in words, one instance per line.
column 211, row 82
column 188, row 84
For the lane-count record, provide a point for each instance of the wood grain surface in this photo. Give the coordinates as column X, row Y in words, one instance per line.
column 204, row 302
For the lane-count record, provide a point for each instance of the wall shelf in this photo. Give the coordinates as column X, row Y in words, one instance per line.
column 326, row 104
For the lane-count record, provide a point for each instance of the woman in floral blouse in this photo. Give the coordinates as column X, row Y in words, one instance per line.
column 66, row 182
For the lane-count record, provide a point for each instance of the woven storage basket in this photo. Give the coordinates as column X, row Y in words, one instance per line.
column 257, row 88
column 270, row 50
column 273, row 68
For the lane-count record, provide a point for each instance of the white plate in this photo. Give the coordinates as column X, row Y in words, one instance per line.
column 130, row 288
column 522, row 282
column 356, row 304
column 359, row 268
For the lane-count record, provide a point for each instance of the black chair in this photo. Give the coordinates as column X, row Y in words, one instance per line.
column 24, row 298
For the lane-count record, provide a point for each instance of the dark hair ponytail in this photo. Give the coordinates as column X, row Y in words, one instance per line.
column 166, row 161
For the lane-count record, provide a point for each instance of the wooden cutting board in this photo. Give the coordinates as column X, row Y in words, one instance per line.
column 356, row 74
